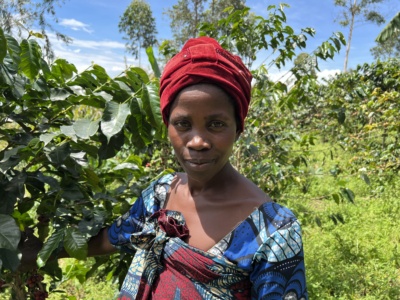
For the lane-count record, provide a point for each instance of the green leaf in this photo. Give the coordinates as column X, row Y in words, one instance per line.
column 19, row 86
column 49, row 246
column 365, row 178
column 10, row 159
column 9, row 233
column 45, row 69
column 151, row 105
column 53, row 269
column 93, row 222
column 5, row 76
column 348, row 194
column 36, row 34
column 30, row 58
column 110, row 148
column 63, row 70
column 340, row 218
column 41, row 85
column 133, row 80
column 58, row 155
column 100, row 73
column 72, row 191
column 85, row 128
column 93, row 180
column 337, row 43
column 341, row 116
column 390, row 30
column 153, row 62
column 9, row 259
column 75, row 243
column 138, row 126
column 10, row 192
column 142, row 74
column 69, row 131
column 13, row 49
column 47, row 137
column 76, row 271
column 114, row 118
column 141, row 131
column 59, row 94
column 336, row 197
column 3, row 46
column 128, row 166
column 318, row 221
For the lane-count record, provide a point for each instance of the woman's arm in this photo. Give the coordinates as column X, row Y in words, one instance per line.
column 100, row 244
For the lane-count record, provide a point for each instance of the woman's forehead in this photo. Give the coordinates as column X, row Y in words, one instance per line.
column 202, row 94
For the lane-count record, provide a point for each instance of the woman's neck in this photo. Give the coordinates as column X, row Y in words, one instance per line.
column 227, row 176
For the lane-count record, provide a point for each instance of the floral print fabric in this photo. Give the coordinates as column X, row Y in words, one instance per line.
column 262, row 258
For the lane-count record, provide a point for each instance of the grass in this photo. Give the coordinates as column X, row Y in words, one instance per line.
column 93, row 289
column 79, row 289
column 358, row 256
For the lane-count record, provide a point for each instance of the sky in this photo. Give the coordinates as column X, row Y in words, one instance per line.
column 93, row 26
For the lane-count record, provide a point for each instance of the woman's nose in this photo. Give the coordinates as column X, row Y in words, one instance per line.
column 198, row 142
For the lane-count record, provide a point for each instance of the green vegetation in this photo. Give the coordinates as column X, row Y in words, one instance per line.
column 77, row 148
column 352, row 248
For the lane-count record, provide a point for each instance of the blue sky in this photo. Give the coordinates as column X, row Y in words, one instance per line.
column 93, row 26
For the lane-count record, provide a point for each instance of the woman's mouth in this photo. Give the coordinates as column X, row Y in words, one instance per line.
column 198, row 162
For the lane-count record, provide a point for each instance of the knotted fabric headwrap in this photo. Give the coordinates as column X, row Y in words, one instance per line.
column 203, row 60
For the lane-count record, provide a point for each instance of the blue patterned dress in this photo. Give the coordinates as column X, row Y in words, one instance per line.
column 262, row 258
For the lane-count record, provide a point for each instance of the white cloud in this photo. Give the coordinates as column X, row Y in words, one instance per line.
column 326, row 74
column 75, row 25
column 97, row 44
column 83, row 53
column 282, row 76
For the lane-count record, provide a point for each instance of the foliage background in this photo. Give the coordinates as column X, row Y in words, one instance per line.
column 77, row 148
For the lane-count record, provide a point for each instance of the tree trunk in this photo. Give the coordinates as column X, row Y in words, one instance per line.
column 140, row 47
column 196, row 18
column 18, row 290
column 353, row 10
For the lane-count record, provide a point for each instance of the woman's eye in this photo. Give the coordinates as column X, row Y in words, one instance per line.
column 217, row 124
column 182, row 124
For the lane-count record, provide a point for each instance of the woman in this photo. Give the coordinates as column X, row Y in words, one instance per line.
column 207, row 233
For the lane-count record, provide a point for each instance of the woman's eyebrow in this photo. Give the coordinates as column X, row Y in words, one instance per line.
column 217, row 115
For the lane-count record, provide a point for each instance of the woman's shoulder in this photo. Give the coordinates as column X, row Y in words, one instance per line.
column 264, row 221
column 267, row 225
column 274, row 214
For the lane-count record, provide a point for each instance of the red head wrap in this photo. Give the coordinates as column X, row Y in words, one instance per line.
column 203, row 60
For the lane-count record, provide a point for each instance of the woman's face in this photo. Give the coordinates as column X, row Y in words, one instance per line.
column 202, row 129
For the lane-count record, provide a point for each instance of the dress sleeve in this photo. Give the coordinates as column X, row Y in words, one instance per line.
column 279, row 271
column 150, row 200
column 119, row 233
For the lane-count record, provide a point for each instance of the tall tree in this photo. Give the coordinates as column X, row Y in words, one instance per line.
column 388, row 41
column 388, row 49
column 354, row 11
column 305, row 64
column 216, row 9
column 187, row 15
column 23, row 15
column 139, row 26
